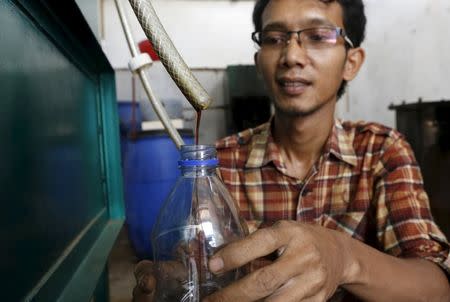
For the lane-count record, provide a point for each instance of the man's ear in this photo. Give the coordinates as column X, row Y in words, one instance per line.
column 353, row 63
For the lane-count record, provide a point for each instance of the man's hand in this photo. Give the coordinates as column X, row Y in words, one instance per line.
column 144, row 290
column 146, row 279
column 312, row 263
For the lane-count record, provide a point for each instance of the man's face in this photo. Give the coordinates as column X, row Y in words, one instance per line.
column 301, row 81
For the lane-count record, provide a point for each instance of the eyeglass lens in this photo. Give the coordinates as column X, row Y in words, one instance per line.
column 314, row 38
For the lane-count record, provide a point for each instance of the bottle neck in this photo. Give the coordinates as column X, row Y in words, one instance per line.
column 198, row 171
column 198, row 160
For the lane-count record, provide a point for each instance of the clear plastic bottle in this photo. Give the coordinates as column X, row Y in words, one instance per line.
column 197, row 219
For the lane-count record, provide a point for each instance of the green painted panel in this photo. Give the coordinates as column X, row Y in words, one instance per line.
column 60, row 179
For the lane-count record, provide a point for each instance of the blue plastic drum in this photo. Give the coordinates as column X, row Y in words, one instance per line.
column 127, row 123
column 126, row 116
column 150, row 172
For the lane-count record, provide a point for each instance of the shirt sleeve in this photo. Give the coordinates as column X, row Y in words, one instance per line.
column 405, row 224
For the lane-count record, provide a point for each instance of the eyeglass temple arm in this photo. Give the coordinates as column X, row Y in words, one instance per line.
column 346, row 38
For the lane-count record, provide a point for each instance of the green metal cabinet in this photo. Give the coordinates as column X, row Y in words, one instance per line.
column 60, row 177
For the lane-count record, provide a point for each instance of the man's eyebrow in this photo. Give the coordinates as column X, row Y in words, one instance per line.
column 312, row 22
column 319, row 22
column 275, row 26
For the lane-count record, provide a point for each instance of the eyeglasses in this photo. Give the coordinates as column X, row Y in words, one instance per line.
column 310, row 38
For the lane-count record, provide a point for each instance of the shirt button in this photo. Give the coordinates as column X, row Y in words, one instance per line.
column 436, row 248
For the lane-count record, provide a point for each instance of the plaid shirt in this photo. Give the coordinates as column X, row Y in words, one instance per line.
column 366, row 183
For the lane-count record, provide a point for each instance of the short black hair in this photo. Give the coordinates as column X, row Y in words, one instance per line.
column 354, row 23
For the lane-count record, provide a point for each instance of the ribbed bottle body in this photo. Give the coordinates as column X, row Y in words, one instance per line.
column 197, row 219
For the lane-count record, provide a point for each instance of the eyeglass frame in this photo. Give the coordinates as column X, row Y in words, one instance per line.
column 339, row 31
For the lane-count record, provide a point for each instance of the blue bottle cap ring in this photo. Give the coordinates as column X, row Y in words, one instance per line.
column 201, row 163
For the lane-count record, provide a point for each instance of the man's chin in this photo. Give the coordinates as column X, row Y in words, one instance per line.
column 295, row 111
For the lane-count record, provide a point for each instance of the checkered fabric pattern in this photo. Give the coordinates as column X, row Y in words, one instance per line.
column 366, row 183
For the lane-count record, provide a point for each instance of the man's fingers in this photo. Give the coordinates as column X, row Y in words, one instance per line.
column 262, row 282
column 140, row 296
column 173, row 270
column 145, row 282
column 146, row 271
column 259, row 244
column 145, row 276
column 143, row 267
column 303, row 288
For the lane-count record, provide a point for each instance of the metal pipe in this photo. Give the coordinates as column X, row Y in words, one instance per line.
column 169, row 56
column 157, row 105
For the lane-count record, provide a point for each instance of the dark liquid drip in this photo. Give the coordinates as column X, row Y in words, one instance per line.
column 197, row 128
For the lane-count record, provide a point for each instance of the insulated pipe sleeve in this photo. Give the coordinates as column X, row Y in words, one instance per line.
column 169, row 56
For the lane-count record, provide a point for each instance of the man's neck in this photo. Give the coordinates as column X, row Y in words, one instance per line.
column 301, row 139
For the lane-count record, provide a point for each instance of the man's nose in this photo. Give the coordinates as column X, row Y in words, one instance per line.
column 294, row 53
column 293, row 37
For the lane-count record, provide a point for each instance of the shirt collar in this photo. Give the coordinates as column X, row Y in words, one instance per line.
column 264, row 150
column 340, row 144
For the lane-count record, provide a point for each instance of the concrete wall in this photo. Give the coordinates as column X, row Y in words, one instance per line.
column 408, row 53
column 208, row 34
column 408, row 57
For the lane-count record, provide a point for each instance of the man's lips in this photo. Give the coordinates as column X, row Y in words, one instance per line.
column 293, row 85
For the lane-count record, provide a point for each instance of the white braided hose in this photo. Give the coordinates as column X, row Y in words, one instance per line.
column 169, row 56
column 137, row 65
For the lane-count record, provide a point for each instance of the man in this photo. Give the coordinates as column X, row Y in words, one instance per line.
column 341, row 205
